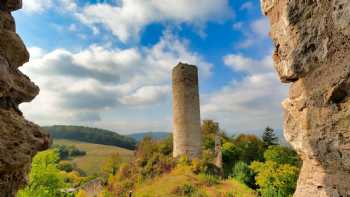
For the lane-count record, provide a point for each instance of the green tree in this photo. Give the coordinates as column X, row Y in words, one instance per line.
column 275, row 180
column 112, row 164
column 282, row 155
column 243, row 174
column 45, row 179
column 269, row 137
column 250, row 148
column 209, row 131
column 166, row 145
column 230, row 155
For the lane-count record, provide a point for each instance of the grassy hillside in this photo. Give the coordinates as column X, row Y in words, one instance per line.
column 95, row 156
column 91, row 135
column 183, row 180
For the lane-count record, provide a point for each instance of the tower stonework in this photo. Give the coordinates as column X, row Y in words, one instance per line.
column 186, row 111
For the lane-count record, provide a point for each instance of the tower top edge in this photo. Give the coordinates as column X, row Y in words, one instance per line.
column 181, row 65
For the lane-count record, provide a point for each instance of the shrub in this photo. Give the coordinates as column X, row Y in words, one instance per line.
column 282, row 155
column 66, row 166
column 208, row 180
column 205, row 167
column 275, row 179
column 45, row 178
column 250, row 148
column 185, row 190
column 243, row 174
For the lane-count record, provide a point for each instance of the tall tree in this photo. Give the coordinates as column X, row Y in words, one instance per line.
column 269, row 137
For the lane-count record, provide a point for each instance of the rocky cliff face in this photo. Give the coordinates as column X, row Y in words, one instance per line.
column 20, row 139
column 312, row 41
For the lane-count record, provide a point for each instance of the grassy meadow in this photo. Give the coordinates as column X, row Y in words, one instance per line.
column 96, row 155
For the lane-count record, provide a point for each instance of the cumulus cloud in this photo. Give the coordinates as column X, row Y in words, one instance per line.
column 75, row 85
column 247, row 6
column 261, row 27
column 129, row 17
column 37, row 6
column 249, row 104
column 255, row 32
column 146, row 95
column 239, row 62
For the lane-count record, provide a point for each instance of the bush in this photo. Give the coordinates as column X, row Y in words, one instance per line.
column 66, row 166
column 275, row 179
column 45, row 178
column 250, row 148
column 243, row 174
column 282, row 155
column 230, row 155
column 208, row 180
column 66, row 152
column 185, row 190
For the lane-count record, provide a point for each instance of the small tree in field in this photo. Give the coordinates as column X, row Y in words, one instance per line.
column 269, row 137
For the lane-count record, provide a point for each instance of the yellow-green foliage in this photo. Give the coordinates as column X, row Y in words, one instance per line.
column 183, row 182
column 96, row 155
column 45, row 179
column 81, row 193
column 275, row 180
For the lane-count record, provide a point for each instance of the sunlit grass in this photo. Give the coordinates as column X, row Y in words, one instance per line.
column 95, row 156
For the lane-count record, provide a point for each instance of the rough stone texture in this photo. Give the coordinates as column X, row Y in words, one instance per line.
column 187, row 132
column 312, row 40
column 20, row 139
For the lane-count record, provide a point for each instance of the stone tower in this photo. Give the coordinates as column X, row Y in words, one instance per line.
column 186, row 111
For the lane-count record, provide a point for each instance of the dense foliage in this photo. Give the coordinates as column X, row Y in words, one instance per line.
column 275, row 180
column 66, row 152
column 259, row 163
column 45, row 179
column 91, row 135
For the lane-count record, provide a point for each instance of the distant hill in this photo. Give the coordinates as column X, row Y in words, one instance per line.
column 91, row 135
column 154, row 135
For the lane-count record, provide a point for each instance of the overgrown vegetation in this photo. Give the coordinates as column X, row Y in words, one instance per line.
column 252, row 166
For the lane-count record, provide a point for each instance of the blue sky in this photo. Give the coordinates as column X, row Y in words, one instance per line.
column 107, row 63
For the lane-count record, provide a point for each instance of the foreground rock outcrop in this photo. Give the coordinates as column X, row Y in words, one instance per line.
column 20, row 139
column 312, row 40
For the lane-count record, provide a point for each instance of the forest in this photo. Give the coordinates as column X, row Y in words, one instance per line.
column 92, row 135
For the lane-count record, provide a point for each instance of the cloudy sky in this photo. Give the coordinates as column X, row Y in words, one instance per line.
column 107, row 63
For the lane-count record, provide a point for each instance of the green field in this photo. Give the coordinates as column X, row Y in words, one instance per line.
column 96, row 155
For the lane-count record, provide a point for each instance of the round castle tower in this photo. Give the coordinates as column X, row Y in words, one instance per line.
column 186, row 111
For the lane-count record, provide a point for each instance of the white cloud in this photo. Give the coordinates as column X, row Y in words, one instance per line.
column 249, row 104
column 247, row 6
column 146, row 95
column 261, row 27
column 36, row 6
column 83, row 85
column 242, row 63
column 238, row 26
column 255, row 32
column 129, row 17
